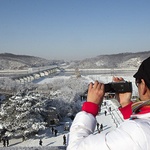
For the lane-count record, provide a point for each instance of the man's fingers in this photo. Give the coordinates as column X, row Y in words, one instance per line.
column 95, row 84
column 90, row 86
column 102, row 87
column 99, row 86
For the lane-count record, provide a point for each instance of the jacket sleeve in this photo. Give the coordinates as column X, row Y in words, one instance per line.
column 128, row 136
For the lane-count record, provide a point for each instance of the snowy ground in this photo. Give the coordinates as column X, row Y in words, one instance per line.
column 50, row 142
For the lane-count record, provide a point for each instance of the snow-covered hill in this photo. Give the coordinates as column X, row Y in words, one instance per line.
column 121, row 60
column 12, row 61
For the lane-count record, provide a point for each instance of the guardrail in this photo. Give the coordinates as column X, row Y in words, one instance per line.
column 115, row 115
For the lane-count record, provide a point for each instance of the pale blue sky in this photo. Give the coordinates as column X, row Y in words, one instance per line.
column 74, row 29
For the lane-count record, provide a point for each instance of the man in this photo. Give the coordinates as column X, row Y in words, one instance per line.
column 132, row 134
column 64, row 140
column 40, row 142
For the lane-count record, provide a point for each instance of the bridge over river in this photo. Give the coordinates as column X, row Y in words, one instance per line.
column 30, row 74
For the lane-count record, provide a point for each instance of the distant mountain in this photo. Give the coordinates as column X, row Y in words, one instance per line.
column 12, row 61
column 121, row 60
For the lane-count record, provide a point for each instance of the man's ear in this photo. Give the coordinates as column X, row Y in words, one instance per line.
column 144, row 87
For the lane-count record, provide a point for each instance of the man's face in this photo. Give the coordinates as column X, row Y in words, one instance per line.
column 138, row 84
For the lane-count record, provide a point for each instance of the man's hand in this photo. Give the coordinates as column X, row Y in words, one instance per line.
column 95, row 93
column 123, row 98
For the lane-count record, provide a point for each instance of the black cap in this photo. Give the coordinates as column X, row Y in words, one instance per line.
column 144, row 72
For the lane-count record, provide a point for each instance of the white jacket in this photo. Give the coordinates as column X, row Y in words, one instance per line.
column 130, row 135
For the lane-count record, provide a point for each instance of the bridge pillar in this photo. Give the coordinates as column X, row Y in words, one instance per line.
column 31, row 78
column 46, row 73
column 42, row 74
column 22, row 80
column 28, row 79
column 37, row 76
column 25, row 79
